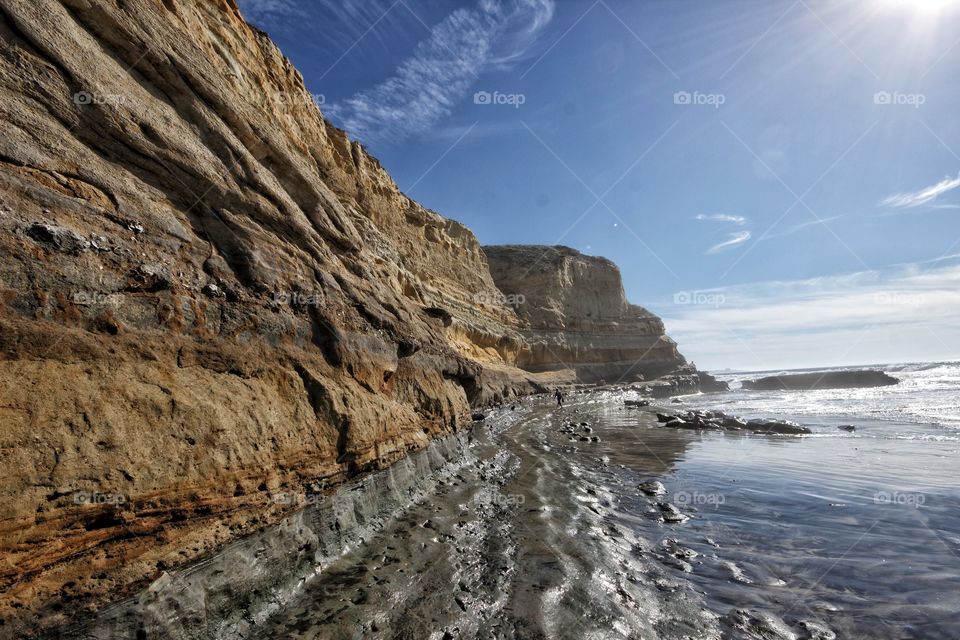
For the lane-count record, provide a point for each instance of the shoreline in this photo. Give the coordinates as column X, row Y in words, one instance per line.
column 253, row 577
column 591, row 517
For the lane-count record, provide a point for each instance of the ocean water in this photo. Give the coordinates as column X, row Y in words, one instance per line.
column 928, row 394
column 856, row 531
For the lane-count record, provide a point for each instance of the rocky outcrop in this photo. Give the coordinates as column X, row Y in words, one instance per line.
column 576, row 316
column 208, row 295
column 825, row 380
column 720, row 421
column 710, row 384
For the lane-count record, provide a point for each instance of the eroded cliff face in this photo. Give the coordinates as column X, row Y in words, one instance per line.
column 212, row 303
column 577, row 316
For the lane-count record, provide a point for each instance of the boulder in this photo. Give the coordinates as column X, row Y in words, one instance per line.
column 652, row 488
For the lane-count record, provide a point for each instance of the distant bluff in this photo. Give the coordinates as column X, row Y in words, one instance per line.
column 576, row 316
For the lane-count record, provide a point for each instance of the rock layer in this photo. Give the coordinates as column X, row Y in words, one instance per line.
column 577, row 317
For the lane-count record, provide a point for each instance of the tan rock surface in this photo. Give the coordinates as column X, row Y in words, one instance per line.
column 577, row 316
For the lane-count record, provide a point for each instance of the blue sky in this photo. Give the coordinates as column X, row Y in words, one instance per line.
column 777, row 180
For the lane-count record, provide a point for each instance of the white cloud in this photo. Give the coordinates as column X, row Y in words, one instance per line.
column 733, row 240
column 425, row 87
column 720, row 217
column 869, row 317
column 799, row 227
column 923, row 196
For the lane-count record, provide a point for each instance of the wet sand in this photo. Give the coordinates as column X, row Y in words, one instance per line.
column 545, row 534
column 518, row 545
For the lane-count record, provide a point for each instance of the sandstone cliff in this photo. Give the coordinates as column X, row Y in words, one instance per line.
column 211, row 301
column 577, row 317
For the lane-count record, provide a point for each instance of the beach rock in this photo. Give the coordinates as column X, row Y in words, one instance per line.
column 664, row 418
column 825, row 380
column 669, row 513
column 652, row 488
column 783, row 427
column 678, row 563
column 815, row 630
column 758, row 625
column 734, row 422
column 847, row 427
column 677, row 550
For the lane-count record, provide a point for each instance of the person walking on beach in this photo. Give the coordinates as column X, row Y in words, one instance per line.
column 559, row 397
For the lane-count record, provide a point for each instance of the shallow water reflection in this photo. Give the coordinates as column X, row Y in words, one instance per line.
column 860, row 532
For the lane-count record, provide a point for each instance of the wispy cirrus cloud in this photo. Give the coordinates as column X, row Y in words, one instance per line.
column 722, row 217
column 426, row 86
column 923, row 196
column 819, row 222
column 732, row 240
column 269, row 13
